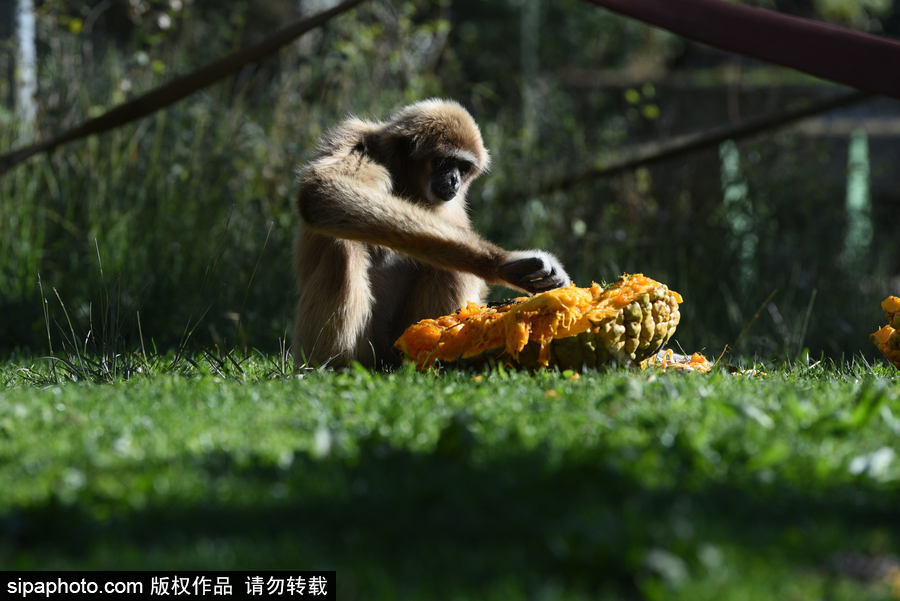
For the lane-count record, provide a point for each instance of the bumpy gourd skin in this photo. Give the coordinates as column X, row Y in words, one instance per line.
column 568, row 327
column 887, row 338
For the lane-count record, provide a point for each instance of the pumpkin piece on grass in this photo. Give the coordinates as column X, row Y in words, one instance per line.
column 569, row 327
column 887, row 338
column 668, row 359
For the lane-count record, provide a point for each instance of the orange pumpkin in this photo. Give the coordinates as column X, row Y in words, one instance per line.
column 666, row 360
column 887, row 338
column 569, row 327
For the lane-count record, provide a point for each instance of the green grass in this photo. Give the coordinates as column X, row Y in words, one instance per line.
column 492, row 485
column 176, row 232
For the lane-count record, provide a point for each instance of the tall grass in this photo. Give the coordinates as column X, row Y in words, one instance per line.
column 185, row 218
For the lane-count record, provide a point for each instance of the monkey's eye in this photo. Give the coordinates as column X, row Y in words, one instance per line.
column 449, row 163
column 442, row 164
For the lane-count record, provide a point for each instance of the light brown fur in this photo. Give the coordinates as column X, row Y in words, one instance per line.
column 378, row 250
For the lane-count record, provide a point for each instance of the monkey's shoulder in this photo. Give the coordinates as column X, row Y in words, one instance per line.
column 347, row 136
column 352, row 159
column 357, row 167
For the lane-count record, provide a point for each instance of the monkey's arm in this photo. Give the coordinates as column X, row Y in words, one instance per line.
column 340, row 206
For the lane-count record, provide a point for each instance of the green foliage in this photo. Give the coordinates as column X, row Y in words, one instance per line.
column 860, row 14
column 186, row 218
column 121, row 252
column 605, row 486
column 854, row 12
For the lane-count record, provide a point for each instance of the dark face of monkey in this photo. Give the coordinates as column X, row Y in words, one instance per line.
column 447, row 175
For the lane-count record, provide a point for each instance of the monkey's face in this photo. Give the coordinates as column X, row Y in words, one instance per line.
column 447, row 176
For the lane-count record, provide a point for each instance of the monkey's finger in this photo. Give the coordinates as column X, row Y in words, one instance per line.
column 549, row 283
column 544, row 271
column 541, row 274
column 542, row 284
column 557, row 278
column 539, row 278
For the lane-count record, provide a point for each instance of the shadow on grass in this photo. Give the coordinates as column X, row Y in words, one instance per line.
column 463, row 519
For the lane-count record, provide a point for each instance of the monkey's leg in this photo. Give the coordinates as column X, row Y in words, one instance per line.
column 333, row 318
column 435, row 292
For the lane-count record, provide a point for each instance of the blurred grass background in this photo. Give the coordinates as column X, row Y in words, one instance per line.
column 181, row 224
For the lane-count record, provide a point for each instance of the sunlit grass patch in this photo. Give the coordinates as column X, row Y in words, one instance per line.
column 617, row 484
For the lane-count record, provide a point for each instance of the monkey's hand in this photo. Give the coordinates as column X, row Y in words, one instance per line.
column 533, row 271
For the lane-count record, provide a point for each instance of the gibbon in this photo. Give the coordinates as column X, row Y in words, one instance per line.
column 385, row 239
